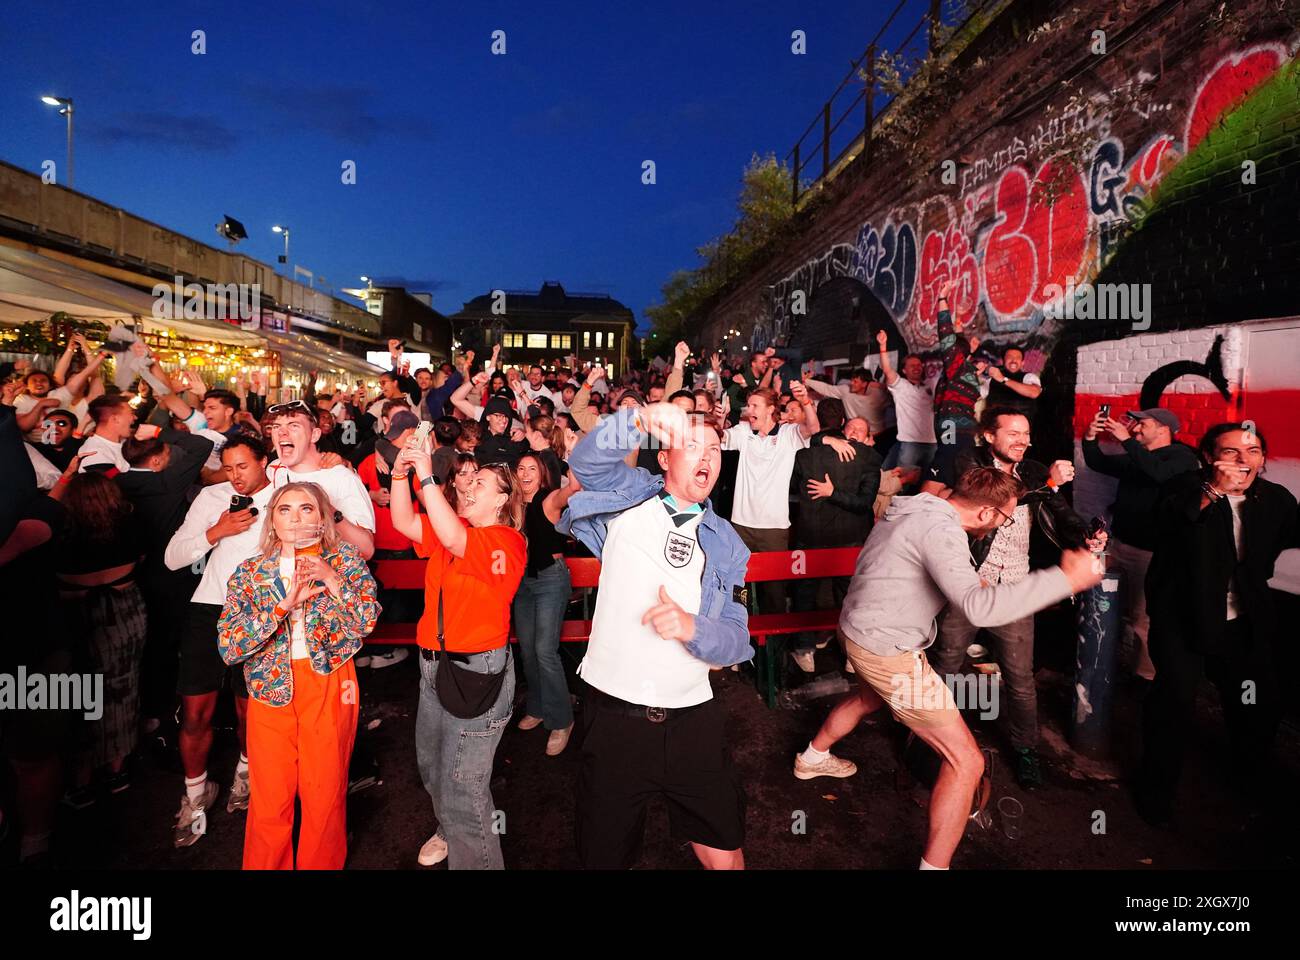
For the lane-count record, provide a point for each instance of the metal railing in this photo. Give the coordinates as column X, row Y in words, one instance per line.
column 868, row 90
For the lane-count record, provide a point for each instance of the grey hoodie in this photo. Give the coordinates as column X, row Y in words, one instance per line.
column 916, row 561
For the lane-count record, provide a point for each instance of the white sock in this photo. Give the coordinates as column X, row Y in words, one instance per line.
column 927, row 865
column 241, row 768
column 194, row 787
column 32, row 844
column 814, row 756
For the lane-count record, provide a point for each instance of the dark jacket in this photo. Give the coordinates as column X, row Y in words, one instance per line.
column 844, row 518
column 162, row 498
column 1141, row 473
column 1196, row 558
column 1056, row 526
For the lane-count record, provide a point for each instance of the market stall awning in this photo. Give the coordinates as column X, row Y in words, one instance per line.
column 311, row 354
column 32, row 287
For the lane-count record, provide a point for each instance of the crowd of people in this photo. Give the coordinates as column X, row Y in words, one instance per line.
column 182, row 542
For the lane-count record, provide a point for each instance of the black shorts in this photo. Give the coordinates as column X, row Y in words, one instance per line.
column 202, row 668
column 626, row 760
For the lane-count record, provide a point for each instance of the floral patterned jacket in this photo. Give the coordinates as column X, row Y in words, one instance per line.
column 249, row 633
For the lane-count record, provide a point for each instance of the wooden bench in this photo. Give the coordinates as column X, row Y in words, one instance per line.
column 768, row 630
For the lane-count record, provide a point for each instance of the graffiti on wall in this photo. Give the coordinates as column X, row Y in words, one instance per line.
column 1026, row 218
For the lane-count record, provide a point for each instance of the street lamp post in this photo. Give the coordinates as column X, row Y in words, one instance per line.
column 284, row 257
column 65, row 109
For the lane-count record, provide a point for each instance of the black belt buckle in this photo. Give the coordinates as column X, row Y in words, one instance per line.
column 656, row 714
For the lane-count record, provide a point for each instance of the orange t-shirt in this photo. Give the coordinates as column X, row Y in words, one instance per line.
column 476, row 589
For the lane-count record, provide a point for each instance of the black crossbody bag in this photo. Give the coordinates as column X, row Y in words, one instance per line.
column 464, row 693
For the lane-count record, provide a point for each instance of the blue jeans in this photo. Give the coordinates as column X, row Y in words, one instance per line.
column 455, row 759
column 909, row 453
column 538, row 610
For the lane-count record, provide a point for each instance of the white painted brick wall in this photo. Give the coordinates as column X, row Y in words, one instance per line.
column 1120, row 366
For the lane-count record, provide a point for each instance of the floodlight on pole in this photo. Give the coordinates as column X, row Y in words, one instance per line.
column 284, row 257
column 65, row 109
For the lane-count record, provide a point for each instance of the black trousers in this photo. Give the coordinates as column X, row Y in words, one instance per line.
column 1246, row 677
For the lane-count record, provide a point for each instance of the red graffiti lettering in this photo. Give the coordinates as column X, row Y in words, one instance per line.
column 947, row 255
column 1040, row 237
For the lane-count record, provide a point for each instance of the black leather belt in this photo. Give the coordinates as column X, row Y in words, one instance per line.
column 639, row 710
column 428, row 654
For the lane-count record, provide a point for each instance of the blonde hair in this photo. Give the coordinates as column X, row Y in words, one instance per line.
column 330, row 534
column 511, row 513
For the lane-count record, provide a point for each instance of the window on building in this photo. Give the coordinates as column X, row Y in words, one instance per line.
column 600, row 339
column 611, row 343
column 537, row 341
column 512, row 340
column 561, row 342
column 417, row 332
column 586, row 339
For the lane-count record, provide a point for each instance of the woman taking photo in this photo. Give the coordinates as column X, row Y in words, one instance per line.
column 539, row 605
column 295, row 616
column 467, row 684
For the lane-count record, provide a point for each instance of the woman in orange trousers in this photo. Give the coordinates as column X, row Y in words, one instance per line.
column 295, row 615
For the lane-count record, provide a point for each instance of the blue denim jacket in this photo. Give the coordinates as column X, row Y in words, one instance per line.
column 610, row 486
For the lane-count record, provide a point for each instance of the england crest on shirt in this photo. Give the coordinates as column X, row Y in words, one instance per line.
column 678, row 549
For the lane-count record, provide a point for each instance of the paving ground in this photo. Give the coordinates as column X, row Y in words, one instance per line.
column 873, row 820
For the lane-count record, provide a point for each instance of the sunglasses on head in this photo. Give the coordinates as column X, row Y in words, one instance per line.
column 292, row 406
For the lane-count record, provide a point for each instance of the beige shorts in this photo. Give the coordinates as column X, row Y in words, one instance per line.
column 906, row 682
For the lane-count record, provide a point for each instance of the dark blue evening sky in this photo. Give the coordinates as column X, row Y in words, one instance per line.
column 473, row 171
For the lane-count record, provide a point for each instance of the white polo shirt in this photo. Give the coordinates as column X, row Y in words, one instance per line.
column 25, row 403
column 97, row 449
column 913, row 410
column 190, row 541
column 646, row 549
column 347, row 492
column 762, row 498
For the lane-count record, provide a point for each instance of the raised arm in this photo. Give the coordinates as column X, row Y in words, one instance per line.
column 460, row 398
column 676, row 376
column 555, row 502
column 811, row 425
column 891, row 375
column 442, row 518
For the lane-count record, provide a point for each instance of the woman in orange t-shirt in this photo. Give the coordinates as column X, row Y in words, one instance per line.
column 475, row 563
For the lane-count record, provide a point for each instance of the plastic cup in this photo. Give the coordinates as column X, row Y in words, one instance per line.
column 1010, row 809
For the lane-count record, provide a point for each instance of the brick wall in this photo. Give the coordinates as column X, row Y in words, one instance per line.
column 1069, row 167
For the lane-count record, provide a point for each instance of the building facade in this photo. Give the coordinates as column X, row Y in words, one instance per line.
column 546, row 326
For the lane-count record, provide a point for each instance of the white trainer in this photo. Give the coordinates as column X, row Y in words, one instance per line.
column 805, row 658
column 239, row 793
column 192, row 821
column 832, row 766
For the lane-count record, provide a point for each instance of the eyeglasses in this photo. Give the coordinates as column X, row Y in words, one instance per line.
column 1008, row 521
column 292, row 406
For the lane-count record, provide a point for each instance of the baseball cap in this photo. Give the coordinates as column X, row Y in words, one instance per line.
column 400, row 422
column 1159, row 415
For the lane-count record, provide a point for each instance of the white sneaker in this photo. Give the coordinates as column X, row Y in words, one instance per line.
column 529, row 722
column 805, row 660
column 239, row 792
column 832, row 766
column 192, row 821
column 977, row 651
column 557, row 741
column 848, row 667
column 824, row 644
column 433, row 851
column 396, row 655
